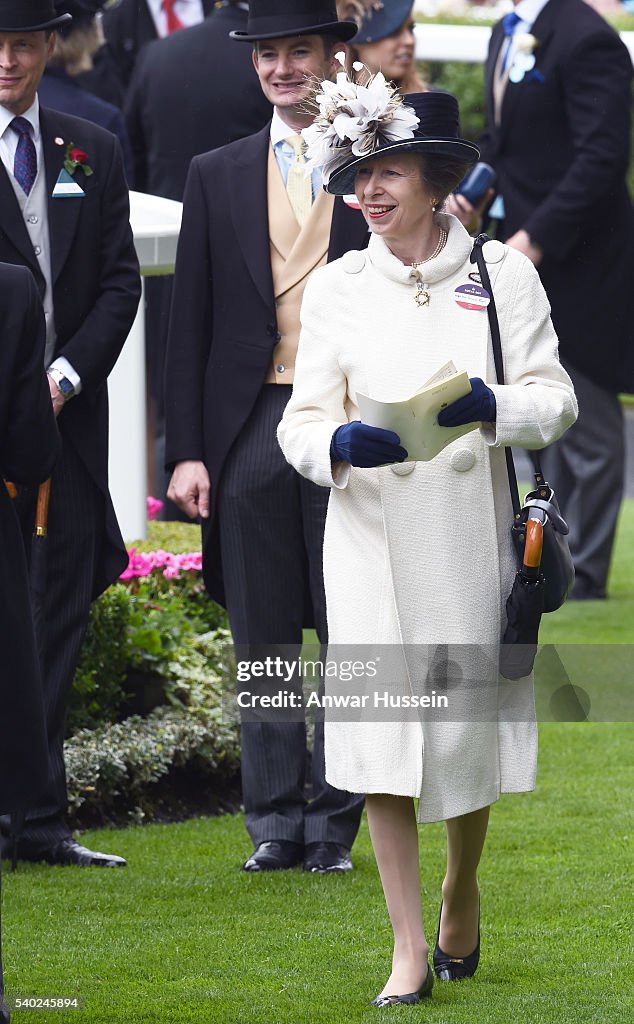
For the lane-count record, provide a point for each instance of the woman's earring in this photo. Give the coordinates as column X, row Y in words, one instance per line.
column 434, row 205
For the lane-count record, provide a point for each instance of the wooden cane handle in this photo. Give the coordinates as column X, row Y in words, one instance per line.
column 41, row 508
column 11, row 489
column 534, row 544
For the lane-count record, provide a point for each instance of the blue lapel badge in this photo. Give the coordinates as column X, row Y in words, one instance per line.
column 66, row 187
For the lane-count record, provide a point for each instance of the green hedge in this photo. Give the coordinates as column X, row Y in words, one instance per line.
column 145, row 727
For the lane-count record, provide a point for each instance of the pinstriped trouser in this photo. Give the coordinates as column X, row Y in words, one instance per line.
column 271, row 537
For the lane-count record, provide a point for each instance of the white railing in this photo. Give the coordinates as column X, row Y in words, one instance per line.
column 466, row 43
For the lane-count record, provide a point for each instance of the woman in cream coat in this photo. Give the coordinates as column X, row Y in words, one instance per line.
column 417, row 555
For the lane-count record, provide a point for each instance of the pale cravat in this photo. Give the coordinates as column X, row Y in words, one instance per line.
column 298, row 185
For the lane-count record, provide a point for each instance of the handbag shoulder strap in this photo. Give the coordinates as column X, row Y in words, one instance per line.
column 477, row 256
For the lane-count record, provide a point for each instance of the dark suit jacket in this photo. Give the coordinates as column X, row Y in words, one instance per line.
column 223, row 325
column 96, row 289
column 128, row 28
column 191, row 92
column 29, row 443
column 561, row 154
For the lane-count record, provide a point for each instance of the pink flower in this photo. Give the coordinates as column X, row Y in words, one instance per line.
column 145, row 563
column 154, row 506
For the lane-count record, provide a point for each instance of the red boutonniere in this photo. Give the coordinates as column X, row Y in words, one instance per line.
column 74, row 158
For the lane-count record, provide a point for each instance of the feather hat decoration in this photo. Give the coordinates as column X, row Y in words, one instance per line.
column 357, row 10
column 355, row 120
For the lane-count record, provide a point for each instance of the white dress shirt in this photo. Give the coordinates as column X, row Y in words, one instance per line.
column 529, row 11
column 189, row 12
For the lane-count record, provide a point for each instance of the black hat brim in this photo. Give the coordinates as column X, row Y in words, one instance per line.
column 343, row 30
column 37, row 28
column 342, row 181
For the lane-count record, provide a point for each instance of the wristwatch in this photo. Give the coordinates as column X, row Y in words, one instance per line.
column 67, row 389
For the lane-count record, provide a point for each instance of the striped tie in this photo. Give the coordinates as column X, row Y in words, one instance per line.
column 299, row 185
column 25, row 163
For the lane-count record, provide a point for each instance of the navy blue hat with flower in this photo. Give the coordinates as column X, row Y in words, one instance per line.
column 381, row 18
column 355, row 123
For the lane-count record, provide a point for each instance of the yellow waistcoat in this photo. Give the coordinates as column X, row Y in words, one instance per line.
column 295, row 253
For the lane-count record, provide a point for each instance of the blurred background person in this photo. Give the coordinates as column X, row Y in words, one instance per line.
column 80, row 249
column 558, row 126
column 131, row 24
column 62, row 87
column 190, row 93
column 385, row 41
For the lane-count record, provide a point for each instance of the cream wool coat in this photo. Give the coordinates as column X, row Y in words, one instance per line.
column 418, row 560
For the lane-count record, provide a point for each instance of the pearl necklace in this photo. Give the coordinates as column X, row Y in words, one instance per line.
column 422, row 296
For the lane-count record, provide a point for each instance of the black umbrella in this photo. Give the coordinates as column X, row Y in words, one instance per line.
column 525, row 605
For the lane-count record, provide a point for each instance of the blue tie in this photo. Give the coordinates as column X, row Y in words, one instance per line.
column 509, row 24
column 25, row 163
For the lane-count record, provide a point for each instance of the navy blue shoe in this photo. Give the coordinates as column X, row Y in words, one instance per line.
column 411, row 997
column 454, row 968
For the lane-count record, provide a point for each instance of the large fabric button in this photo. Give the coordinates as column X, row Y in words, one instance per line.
column 403, row 468
column 353, row 261
column 462, row 460
column 493, row 251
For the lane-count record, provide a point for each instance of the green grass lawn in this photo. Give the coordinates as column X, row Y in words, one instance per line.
column 182, row 935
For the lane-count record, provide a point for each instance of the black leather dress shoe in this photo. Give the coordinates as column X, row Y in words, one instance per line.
column 274, row 855
column 327, row 858
column 68, row 851
column 454, row 968
column 410, row 997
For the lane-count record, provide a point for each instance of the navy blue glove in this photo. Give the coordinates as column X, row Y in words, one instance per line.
column 365, row 446
column 477, row 407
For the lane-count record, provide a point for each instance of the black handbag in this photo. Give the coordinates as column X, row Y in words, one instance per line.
column 556, row 566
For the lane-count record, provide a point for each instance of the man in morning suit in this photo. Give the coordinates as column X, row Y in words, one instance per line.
column 133, row 23
column 254, row 227
column 72, row 230
column 558, row 109
column 29, row 444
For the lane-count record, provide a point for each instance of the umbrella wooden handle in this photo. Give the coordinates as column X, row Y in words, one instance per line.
column 41, row 509
column 534, row 544
column 11, row 488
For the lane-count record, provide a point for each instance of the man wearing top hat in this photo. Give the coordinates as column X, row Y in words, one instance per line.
column 65, row 215
column 254, row 228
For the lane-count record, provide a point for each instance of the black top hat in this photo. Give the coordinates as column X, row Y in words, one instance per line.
column 437, row 133
column 29, row 15
column 274, row 19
